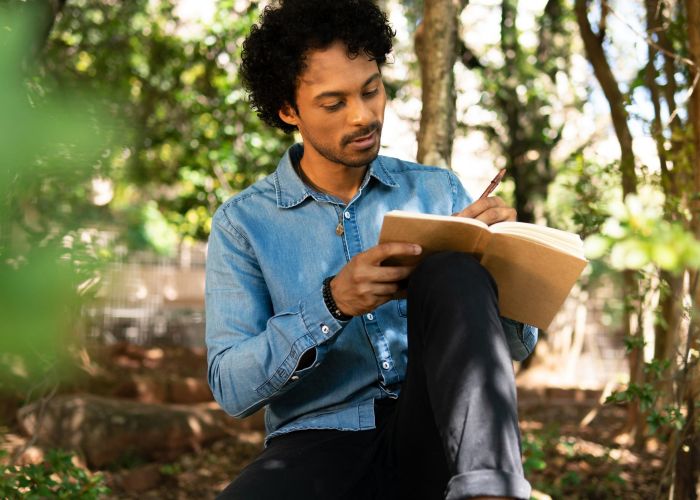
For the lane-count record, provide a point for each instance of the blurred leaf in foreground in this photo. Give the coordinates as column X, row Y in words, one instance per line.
column 46, row 138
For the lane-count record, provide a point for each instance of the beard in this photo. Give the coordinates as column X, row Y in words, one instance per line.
column 353, row 159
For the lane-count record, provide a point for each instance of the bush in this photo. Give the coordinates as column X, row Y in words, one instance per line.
column 57, row 477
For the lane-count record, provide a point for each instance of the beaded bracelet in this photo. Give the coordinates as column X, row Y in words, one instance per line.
column 330, row 301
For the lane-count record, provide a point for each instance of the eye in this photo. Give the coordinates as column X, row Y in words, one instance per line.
column 333, row 107
column 371, row 93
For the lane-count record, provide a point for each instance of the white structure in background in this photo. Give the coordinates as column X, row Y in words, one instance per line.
column 149, row 299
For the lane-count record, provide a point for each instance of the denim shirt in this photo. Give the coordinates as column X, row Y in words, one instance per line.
column 270, row 248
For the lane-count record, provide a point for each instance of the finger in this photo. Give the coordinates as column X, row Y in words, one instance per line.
column 480, row 206
column 497, row 201
column 497, row 214
column 381, row 252
column 383, row 290
column 391, row 274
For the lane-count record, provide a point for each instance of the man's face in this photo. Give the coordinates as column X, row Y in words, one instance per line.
column 340, row 108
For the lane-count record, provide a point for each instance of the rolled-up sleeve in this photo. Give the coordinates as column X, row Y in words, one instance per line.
column 252, row 353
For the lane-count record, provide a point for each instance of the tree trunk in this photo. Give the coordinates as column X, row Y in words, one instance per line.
column 687, row 470
column 693, row 12
column 47, row 12
column 593, row 43
column 436, row 47
column 518, row 145
column 528, row 151
column 671, row 302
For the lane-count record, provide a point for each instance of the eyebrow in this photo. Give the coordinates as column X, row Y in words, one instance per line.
column 337, row 93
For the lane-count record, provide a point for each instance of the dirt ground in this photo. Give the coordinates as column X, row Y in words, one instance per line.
column 572, row 446
column 563, row 459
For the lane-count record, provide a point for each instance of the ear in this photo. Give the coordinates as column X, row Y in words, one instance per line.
column 288, row 115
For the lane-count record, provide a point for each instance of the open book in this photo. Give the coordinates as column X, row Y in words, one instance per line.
column 534, row 266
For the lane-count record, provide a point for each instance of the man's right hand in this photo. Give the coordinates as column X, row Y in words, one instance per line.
column 364, row 284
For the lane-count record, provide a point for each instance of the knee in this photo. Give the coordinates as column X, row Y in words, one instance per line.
column 452, row 271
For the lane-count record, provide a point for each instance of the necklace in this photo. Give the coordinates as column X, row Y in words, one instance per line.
column 339, row 229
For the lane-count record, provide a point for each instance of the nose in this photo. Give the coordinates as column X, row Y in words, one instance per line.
column 361, row 113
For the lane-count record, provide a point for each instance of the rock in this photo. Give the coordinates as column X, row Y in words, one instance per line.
column 139, row 479
column 143, row 388
column 189, row 390
column 104, row 430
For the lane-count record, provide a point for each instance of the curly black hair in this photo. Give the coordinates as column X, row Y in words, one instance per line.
column 274, row 52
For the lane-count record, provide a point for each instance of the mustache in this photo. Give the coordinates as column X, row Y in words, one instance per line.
column 362, row 132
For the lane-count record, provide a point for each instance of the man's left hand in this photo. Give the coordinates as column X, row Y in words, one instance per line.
column 489, row 210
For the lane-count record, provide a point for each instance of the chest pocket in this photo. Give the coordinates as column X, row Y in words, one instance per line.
column 402, row 306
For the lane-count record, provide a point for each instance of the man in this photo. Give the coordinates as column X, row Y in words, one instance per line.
column 367, row 394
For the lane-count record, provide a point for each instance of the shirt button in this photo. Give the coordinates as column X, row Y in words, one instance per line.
column 386, row 365
column 370, row 316
column 347, row 215
column 295, row 377
column 325, row 329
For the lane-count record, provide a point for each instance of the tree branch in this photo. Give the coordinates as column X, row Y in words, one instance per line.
column 596, row 56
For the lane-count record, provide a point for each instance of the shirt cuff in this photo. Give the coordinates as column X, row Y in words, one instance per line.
column 521, row 338
column 320, row 323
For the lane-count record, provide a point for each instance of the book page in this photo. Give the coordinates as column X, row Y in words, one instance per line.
column 450, row 218
column 556, row 238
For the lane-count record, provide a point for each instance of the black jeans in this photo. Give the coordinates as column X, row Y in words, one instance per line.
column 452, row 433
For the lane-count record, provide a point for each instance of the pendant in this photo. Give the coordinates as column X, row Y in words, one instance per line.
column 339, row 230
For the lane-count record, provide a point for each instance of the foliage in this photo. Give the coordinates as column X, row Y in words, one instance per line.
column 548, row 448
column 57, row 477
column 526, row 94
column 636, row 235
column 649, row 232
column 170, row 469
column 50, row 144
column 660, row 418
column 195, row 141
column 533, row 453
column 579, row 196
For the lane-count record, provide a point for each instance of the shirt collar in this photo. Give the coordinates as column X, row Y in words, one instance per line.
column 291, row 190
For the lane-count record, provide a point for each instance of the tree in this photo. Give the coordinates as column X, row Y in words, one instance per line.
column 529, row 135
column 436, row 44
column 666, row 244
column 196, row 140
column 687, row 470
column 593, row 43
column 523, row 94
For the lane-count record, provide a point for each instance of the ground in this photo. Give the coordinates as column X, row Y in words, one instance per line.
column 562, row 457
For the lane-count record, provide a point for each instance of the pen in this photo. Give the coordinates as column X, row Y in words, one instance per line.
column 494, row 182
